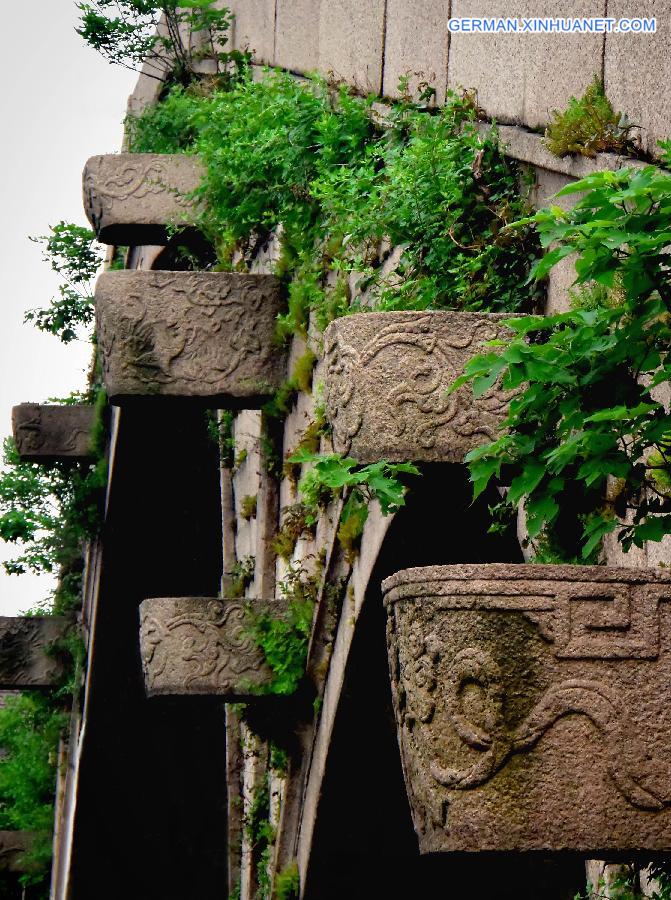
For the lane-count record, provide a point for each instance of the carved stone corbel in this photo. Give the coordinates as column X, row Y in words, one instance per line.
column 130, row 199
column 533, row 706
column 53, row 433
column 205, row 336
column 203, row 646
column 25, row 660
column 386, row 381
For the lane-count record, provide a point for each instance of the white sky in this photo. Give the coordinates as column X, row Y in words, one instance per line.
column 60, row 104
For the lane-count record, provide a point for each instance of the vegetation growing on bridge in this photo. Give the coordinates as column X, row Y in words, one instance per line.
column 587, row 441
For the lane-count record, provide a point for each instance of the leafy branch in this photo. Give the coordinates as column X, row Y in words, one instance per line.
column 587, row 443
column 329, row 474
column 73, row 253
column 170, row 37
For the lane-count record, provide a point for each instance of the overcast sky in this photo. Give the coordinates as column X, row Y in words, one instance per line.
column 60, row 104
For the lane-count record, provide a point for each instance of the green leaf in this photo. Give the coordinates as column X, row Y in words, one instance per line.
column 595, row 531
column 527, row 482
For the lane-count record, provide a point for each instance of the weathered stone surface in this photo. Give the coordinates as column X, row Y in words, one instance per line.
column 13, row 847
column 351, row 41
column 253, row 27
column 24, row 662
column 206, row 335
column 52, row 433
column 636, row 65
column 199, row 645
column 297, row 34
column 386, row 378
column 342, row 39
column 130, row 198
column 533, row 705
column 523, row 77
column 416, row 45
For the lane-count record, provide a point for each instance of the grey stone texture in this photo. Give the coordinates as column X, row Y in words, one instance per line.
column 24, row 642
column 386, row 377
column 52, row 433
column 13, row 847
column 203, row 646
column 297, row 35
column 638, row 68
column 206, row 335
column 522, row 77
column 253, row 27
column 130, row 198
column 416, row 45
column 351, row 41
column 563, row 275
column 533, row 706
column 343, row 39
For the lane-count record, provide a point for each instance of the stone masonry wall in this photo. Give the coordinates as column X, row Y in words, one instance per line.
column 520, row 79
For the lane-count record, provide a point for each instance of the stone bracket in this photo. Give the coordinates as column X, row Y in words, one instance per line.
column 131, row 198
column 25, row 663
column 387, row 377
column 202, row 336
column 532, row 706
column 203, row 646
column 53, row 433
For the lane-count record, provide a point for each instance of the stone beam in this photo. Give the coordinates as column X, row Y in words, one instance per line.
column 532, row 706
column 386, row 379
column 203, row 646
column 25, row 663
column 53, row 433
column 204, row 336
column 131, row 198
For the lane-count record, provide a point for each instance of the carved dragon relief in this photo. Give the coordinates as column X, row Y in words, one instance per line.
column 33, row 434
column 434, row 686
column 188, row 332
column 403, row 374
column 197, row 645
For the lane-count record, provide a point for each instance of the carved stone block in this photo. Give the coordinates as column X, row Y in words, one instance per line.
column 387, row 376
column 130, row 198
column 24, row 660
column 533, row 706
column 53, row 433
column 13, row 847
column 205, row 335
column 199, row 645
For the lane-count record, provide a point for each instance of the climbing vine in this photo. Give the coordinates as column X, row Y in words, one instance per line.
column 330, row 474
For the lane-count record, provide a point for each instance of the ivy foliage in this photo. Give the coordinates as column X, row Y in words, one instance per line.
column 170, row 37
column 441, row 190
column 587, row 442
column 288, row 882
column 74, row 254
column 330, row 473
column 589, row 125
column 317, row 165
